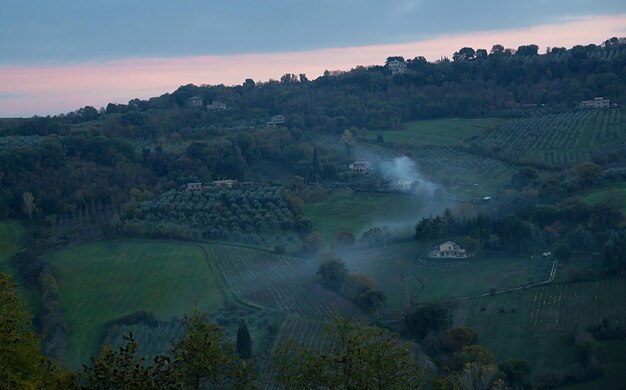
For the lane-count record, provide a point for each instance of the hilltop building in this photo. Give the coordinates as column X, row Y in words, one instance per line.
column 448, row 250
column 598, row 102
column 360, row 166
column 216, row 106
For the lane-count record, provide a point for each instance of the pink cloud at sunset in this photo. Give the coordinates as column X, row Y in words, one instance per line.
column 53, row 89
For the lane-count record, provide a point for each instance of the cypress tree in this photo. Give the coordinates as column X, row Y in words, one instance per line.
column 244, row 343
column 316, row 165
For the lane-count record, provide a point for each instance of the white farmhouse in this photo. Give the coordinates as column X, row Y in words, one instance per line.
column 598, row 102
column 448, row 250
column 360, row 166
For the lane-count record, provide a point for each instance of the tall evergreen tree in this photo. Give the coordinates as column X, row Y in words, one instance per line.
column 244, row 343
column 316, row 165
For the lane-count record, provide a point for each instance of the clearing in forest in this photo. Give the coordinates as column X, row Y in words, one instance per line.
column 436, row 132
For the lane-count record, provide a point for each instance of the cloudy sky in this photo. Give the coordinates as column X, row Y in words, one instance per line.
column 56, row 56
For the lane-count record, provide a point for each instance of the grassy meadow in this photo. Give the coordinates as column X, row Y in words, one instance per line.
column 436, row 132
column 346, row 210
column 535, row 324
column 102, row 281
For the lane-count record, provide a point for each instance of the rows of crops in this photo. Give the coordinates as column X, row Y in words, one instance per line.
column 280, row 282
column 557, row 139
column 261, row 277
column 567, row 307
column 319, row 303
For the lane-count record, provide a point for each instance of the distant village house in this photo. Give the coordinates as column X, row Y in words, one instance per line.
column 193, row 187
column 448, row 250
column 598, row 102
column 276, row 120
column 225, row 183
column 216, row 106
column 360, row 166
column 194, row 102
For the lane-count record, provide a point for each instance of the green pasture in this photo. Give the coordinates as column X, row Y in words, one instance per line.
column 535, row 324
column 611, row 192
column 345, row 210
column 403, row 278
column 437, row 132
column 102, row 281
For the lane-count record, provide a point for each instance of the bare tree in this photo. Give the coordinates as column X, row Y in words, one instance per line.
column 28, row 204
column 349, row 139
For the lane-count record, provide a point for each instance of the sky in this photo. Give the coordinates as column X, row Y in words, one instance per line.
column 57, row 56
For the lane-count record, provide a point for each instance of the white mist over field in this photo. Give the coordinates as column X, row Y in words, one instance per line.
column 403, row 169
column 417, row 195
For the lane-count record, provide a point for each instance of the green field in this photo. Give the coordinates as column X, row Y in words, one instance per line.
column 611, row 192
column 102, row 281
column 534, row 324
column 402, row 278
column 345, row 210
column 437, row 132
